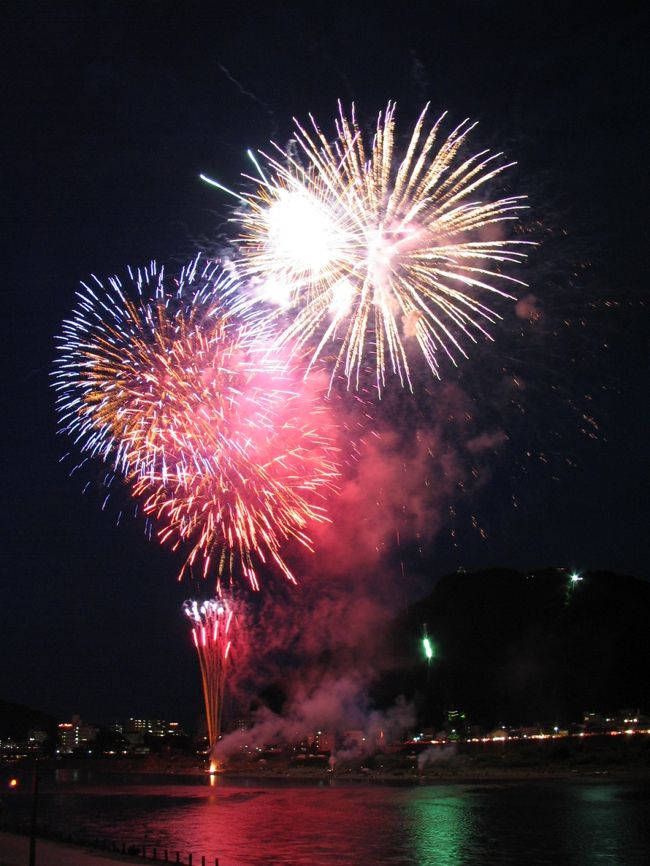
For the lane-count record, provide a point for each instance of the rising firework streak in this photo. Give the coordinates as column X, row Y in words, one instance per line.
column 212, row 628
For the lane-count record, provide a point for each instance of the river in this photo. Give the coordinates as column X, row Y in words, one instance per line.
column 259, row 823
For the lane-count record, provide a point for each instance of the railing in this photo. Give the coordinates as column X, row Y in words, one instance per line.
column 153, row 853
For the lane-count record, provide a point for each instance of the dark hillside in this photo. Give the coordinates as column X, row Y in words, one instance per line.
column 16, row 721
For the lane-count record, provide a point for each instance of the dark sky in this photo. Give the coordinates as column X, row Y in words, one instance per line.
column 113, row 108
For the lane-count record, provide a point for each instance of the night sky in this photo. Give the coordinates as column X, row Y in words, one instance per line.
column 113, row 109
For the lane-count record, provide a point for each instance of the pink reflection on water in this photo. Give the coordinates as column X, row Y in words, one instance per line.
column 259, row 825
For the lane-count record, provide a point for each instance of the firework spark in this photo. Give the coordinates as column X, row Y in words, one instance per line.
column 229, row 449
column 366, row 252
column 212, row 623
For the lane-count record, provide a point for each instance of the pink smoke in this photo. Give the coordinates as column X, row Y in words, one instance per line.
column 401, row 487
column 333, row 704
column 335, row 624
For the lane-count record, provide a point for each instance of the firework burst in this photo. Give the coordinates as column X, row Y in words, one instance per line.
column 230, row 451
column 363, row 253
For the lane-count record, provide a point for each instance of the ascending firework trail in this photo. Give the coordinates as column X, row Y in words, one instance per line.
column 211, row 631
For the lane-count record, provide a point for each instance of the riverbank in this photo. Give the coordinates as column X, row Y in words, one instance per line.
column 595, row 758
column 460, row 776
column 524, row 760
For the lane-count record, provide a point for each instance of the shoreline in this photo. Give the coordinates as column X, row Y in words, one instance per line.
column 461, row 776
column 457, row 770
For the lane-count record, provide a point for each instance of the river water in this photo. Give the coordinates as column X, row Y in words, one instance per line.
column 259, row 823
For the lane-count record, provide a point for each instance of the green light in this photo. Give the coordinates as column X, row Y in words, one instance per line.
column 428, row 649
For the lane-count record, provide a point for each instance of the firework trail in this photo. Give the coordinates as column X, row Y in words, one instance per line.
column 231, row 452
column 211, row 623
column 362, row 252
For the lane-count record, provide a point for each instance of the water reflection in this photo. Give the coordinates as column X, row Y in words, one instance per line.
column 605, row 829
column 253, row 823
column 441, row 827
column 67, row 775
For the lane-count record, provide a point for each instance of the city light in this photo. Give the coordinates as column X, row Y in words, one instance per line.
column 428, row 648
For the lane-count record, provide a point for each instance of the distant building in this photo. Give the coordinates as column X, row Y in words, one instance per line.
column 10, row 748
column 497, row 734
column 593, row 721
column 457, row 724
column 135, row 729
column 36, row 737
column 74, row 734
column 530, row 731
column 354, row 739
column 319, row 743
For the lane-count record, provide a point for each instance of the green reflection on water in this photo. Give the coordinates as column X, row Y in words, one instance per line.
column 440, row 827
column 602, row 832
